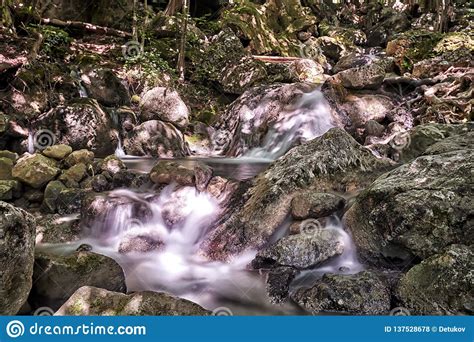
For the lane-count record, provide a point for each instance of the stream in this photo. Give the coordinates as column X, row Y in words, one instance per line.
column 162, row 256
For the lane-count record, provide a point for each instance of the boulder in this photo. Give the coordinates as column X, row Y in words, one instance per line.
column 81, row 124
column 75, row 173
column 301, row 251
column 112, row 164
column 368, row 76
column 56, row 278
column 51, row 194
column 315, row 205
column 93, row 301
column 166, row 105
column 278, row 283
column 363, row 293
column 35, row 170
column 416, row 210
column 17, row 243
column 442, row 284
column 58, row 152
column 9, row 189
column 6, row 166
column 103, row 85
column 167, row 172
column 156, row 139
column 57, row 229
column 81, row 156
column 332, row 162
column 69, row 201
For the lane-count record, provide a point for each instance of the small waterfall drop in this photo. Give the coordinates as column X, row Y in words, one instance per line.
column 31, row 144
column 309, row 118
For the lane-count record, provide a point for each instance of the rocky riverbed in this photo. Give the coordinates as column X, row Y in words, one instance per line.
column 329, row 171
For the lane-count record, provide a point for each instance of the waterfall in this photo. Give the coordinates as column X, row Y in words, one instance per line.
column 31, row 145
column 309, row 118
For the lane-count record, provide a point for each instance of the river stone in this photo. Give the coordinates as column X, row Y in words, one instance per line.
column 164, row 104
column 17, row 241
column 103, row 85
column 93, row 301
column 69, row 201
column 315, row 205
column 57, row 229
column 156, row 139
column 301, row 250
column 58, row 152
column 9, row 189
column 80, row 156
column 56, row 278
column 364, row 107
column 100, row 183
column 357, row 294
column 35, row 170
column 140, row 244
column 415, row 210
column 112, row 164
column 81, row 124
column 6, row 166
column 75, row 173
column 334, row 162
column 278, row 283
column 51, row 194
column 368, row 76
column 167, row 172
column 440, row 285
column 9, row 155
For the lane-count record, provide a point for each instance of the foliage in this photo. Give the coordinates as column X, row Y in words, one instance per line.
column 55, row 41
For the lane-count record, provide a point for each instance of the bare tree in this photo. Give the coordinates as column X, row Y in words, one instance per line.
column 174, row 6
column 182, row 43
column 5, row 15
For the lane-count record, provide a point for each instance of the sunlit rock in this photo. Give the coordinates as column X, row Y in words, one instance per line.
column 35, row 170
column 166, row 105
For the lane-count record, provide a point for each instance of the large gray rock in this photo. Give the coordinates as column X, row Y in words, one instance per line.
column 358, row 294
column 301, row 250
column 103, row 85
column 156, row 139
column 332, row 162
column 17, row 241
column 81, row 124
column 166, row 105
column 368, row 76
column 93, row 301
column 35, row 170
column 56, row 278
column 315, row 205
column 415, row 210
column 440, row 285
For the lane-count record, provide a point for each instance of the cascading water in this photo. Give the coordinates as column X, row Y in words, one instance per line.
column 309, row 118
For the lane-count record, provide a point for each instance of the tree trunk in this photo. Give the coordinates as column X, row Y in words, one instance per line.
column 6, row 17
column 182, row 43
column 174, row 6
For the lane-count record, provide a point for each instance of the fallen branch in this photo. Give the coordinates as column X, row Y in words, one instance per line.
column 86, row 27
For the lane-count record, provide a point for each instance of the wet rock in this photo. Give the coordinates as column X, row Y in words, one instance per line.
column 358, row 294
column 75, row 173
column 33, row 196
column 315, row 205
column 51, row 194
column 202, row 176
column 301, row 251
column 368, row 76
column 246, row 122
column 9, row 155
column 9, row 189
column 112, row 164
column 353, row 60
column 99, row 183
column 35, row 170
column 56, row 278
column 166, row 172
column 6, row 166
column 415, row 210
column 69, row 201
column 104, row 86
column 156, row 139
column 307, row 70
column 58, row 152
column 81, row 156
column 373, row 128
column 140, row 244
column 124, row 179
column 166, row 105
column 57, row 229
column 440, row 285
column 278, row 283
column 82, row 124
column 17, row 241
column 332, row 162
column 364, row 107
column 93, row 301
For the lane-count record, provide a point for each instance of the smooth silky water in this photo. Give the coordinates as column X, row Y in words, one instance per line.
column 177, row 265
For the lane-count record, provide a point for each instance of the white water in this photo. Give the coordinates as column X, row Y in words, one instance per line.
column 309, row 118
column 31, row 145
